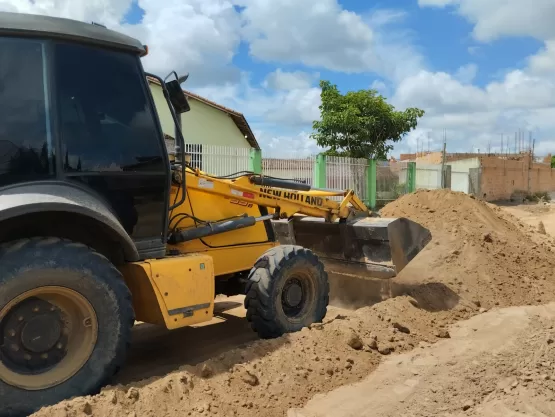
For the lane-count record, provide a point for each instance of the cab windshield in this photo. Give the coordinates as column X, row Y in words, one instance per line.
column 97, row 118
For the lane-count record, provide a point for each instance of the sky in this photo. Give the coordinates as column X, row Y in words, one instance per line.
column 481, row 69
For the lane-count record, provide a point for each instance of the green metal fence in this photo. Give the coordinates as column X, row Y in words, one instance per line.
column 375, row 182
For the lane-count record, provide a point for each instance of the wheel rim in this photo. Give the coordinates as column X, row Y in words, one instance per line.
column 46, row 336
column 297, row 296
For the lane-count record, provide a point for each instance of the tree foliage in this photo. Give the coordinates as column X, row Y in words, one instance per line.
column 553, row 162
column 360, row 124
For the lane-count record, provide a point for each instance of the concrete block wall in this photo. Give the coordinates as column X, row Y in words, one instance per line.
column 542, row 179
column 501, row 179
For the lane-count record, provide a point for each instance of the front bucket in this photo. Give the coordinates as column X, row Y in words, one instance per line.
column 367, row 247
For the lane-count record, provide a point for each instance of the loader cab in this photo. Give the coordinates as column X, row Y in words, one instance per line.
column 76, row 110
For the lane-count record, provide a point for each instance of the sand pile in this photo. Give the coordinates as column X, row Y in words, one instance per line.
column 478, row 258
column 478, row 251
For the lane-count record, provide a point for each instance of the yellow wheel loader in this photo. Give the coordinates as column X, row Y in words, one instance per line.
column 100, row 226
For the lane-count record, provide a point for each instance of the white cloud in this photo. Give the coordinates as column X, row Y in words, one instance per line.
column 380, row 87
column 283, row 80
column 473, row 50
column 196, row 36
column 107, row 12
column 385, row 17
column 494, row 19
column 287, row 146
column 397, row 57
column 543, row 63
column 227, row 94
column 296, row 108
column 467, row 73
column 474, row 116
column 318, row 34
column 520, row 90
column 439, row 93
column 518, row 98
column 321, row 34
column 437, row 3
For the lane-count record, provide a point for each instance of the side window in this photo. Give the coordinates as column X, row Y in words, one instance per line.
column 105, row 120
column 25, row 136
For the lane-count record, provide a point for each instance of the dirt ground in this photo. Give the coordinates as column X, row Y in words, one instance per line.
column 532, row 214
column 496, row 364
column 481, row 257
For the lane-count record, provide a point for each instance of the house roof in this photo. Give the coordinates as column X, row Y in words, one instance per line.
column 238, row 118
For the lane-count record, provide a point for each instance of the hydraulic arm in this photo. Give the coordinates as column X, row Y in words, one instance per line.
column 343, row 233
column 286, row 197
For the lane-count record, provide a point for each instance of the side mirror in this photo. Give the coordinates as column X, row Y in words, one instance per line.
column 177, row 97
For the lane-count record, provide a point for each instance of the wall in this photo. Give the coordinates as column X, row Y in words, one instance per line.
column 430, row 158
column 428, row 176
column 502, row 179
column 423, row 157
column 437, row 157
column 162, row 109
column 420, row 155
column 204, row 124
column 207, row 125
column 542, row 178
column 460, row 173
column 464, row 164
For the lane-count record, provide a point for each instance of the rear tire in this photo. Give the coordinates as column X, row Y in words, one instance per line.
column 287, row 290
column 65, row 317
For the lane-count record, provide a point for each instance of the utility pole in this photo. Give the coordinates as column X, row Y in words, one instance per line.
column 417, row 146
column 530, row 142
column 530, row 160
column 443, row 157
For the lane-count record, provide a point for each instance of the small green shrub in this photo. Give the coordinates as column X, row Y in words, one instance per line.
column 538, row 196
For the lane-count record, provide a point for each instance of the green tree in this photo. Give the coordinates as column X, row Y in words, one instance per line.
column 360, row 124
column 553, row 162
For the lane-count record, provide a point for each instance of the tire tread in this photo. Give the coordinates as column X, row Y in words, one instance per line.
column 13, row 255
column 259, row 289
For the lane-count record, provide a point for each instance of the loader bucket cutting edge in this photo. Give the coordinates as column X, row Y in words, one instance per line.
column 366, row 247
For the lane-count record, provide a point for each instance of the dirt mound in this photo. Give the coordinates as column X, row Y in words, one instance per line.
column 479, row 251
column 479, row 257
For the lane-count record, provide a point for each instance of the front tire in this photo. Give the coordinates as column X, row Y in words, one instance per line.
column 288, row 289
column 65, row 323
